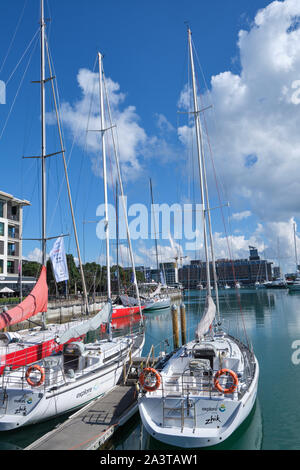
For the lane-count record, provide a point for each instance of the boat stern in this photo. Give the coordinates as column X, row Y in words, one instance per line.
column 16, row 407
column 190, row 423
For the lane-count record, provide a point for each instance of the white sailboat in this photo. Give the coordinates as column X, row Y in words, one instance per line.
column 81, row 372
column 30, row 345
column 202, row 393
column 156, row 300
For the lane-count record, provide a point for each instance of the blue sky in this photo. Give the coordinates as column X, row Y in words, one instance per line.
column 251, row 63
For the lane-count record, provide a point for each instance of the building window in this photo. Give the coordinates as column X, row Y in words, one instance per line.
column 1, row 229
column 1, row 208
column 11, row 249
column 1, row 266
column 11, row 231
column 10, row 267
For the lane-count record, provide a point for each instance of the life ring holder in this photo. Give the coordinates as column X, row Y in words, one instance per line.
column 233, row 386
column 31, row 369
column 142, row 378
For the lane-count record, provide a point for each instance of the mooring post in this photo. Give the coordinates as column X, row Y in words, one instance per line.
column 183, row 323
column 175, row 326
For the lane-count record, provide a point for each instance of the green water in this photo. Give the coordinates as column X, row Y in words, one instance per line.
column 271, row 320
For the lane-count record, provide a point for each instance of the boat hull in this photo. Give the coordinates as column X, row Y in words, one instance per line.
column 158, row 305
column 120, row 311
column 216, row 418
column 27, row 405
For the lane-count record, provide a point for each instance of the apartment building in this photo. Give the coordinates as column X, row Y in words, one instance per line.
column 11, row 213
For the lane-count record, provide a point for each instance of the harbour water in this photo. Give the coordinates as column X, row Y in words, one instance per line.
column 271, row 321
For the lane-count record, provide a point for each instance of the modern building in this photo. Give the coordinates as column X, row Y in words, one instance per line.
column 244, row 271
column 11, row 215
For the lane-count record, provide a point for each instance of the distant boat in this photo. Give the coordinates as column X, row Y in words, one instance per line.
column 157, row 303
column 279, row 283
column 202, row 392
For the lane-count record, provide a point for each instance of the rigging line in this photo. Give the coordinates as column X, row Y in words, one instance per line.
column 58, row 199
column 17, row 93
column 14, row 35
column 20, row 60
column 91, row 91
column 224, row 224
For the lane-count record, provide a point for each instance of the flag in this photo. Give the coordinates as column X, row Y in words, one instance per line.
column 59, row 261
column 132, row 277
column 162, row 278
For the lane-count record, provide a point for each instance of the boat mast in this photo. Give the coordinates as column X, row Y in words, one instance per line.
column 156, row 251
column 295, row 243
column 43, row 129
column 200, row 160
column 124, row 208
column 104, row 174
column 86, row 302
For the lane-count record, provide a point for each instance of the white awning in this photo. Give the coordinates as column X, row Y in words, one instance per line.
column 6, row 290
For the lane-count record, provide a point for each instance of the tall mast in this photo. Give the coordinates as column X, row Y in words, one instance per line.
column 86, row 302
column 117, row 233
column 104, row 174
column 295, row 243
column 156, row 252
column 200, row 160
column 124, row 208
column 43, row 121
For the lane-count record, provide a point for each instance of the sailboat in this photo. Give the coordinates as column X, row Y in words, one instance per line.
column 82, row 372
column 156, row 300
column 294, row 286
column 201, row 394
column 27, row 346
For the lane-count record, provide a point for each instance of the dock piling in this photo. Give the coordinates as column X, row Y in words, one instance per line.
column 183, row 323
column 174, row 311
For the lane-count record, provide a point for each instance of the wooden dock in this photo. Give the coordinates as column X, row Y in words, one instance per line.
column 91, row 426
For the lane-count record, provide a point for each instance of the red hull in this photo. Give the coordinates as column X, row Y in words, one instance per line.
column 120, row 311
column 36, row 352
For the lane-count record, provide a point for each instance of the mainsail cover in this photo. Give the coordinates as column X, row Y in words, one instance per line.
column 207, row 319
column 36, row 302
column 104, row 316
column 156, row 292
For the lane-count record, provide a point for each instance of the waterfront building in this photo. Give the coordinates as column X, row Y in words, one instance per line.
column 11, row 216
column 245, row 271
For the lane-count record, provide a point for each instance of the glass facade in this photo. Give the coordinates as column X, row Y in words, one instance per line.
column 1, row 229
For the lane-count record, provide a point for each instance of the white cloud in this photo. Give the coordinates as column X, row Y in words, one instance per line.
column 254, row 128
column 134, row 146
column 241, row 215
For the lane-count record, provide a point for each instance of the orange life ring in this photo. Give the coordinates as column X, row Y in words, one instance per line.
column 42, row 378
column 142, row 378
column 226, row 372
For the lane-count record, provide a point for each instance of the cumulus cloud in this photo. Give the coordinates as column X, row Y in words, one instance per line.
column 256, row 143
column 134, row 146
column 254, row 125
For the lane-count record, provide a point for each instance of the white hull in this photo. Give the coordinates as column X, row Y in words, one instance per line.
column 26, row 405
column 197, row 418
column 158, row 304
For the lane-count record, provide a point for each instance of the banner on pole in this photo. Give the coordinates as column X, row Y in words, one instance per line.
column 59, row 261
